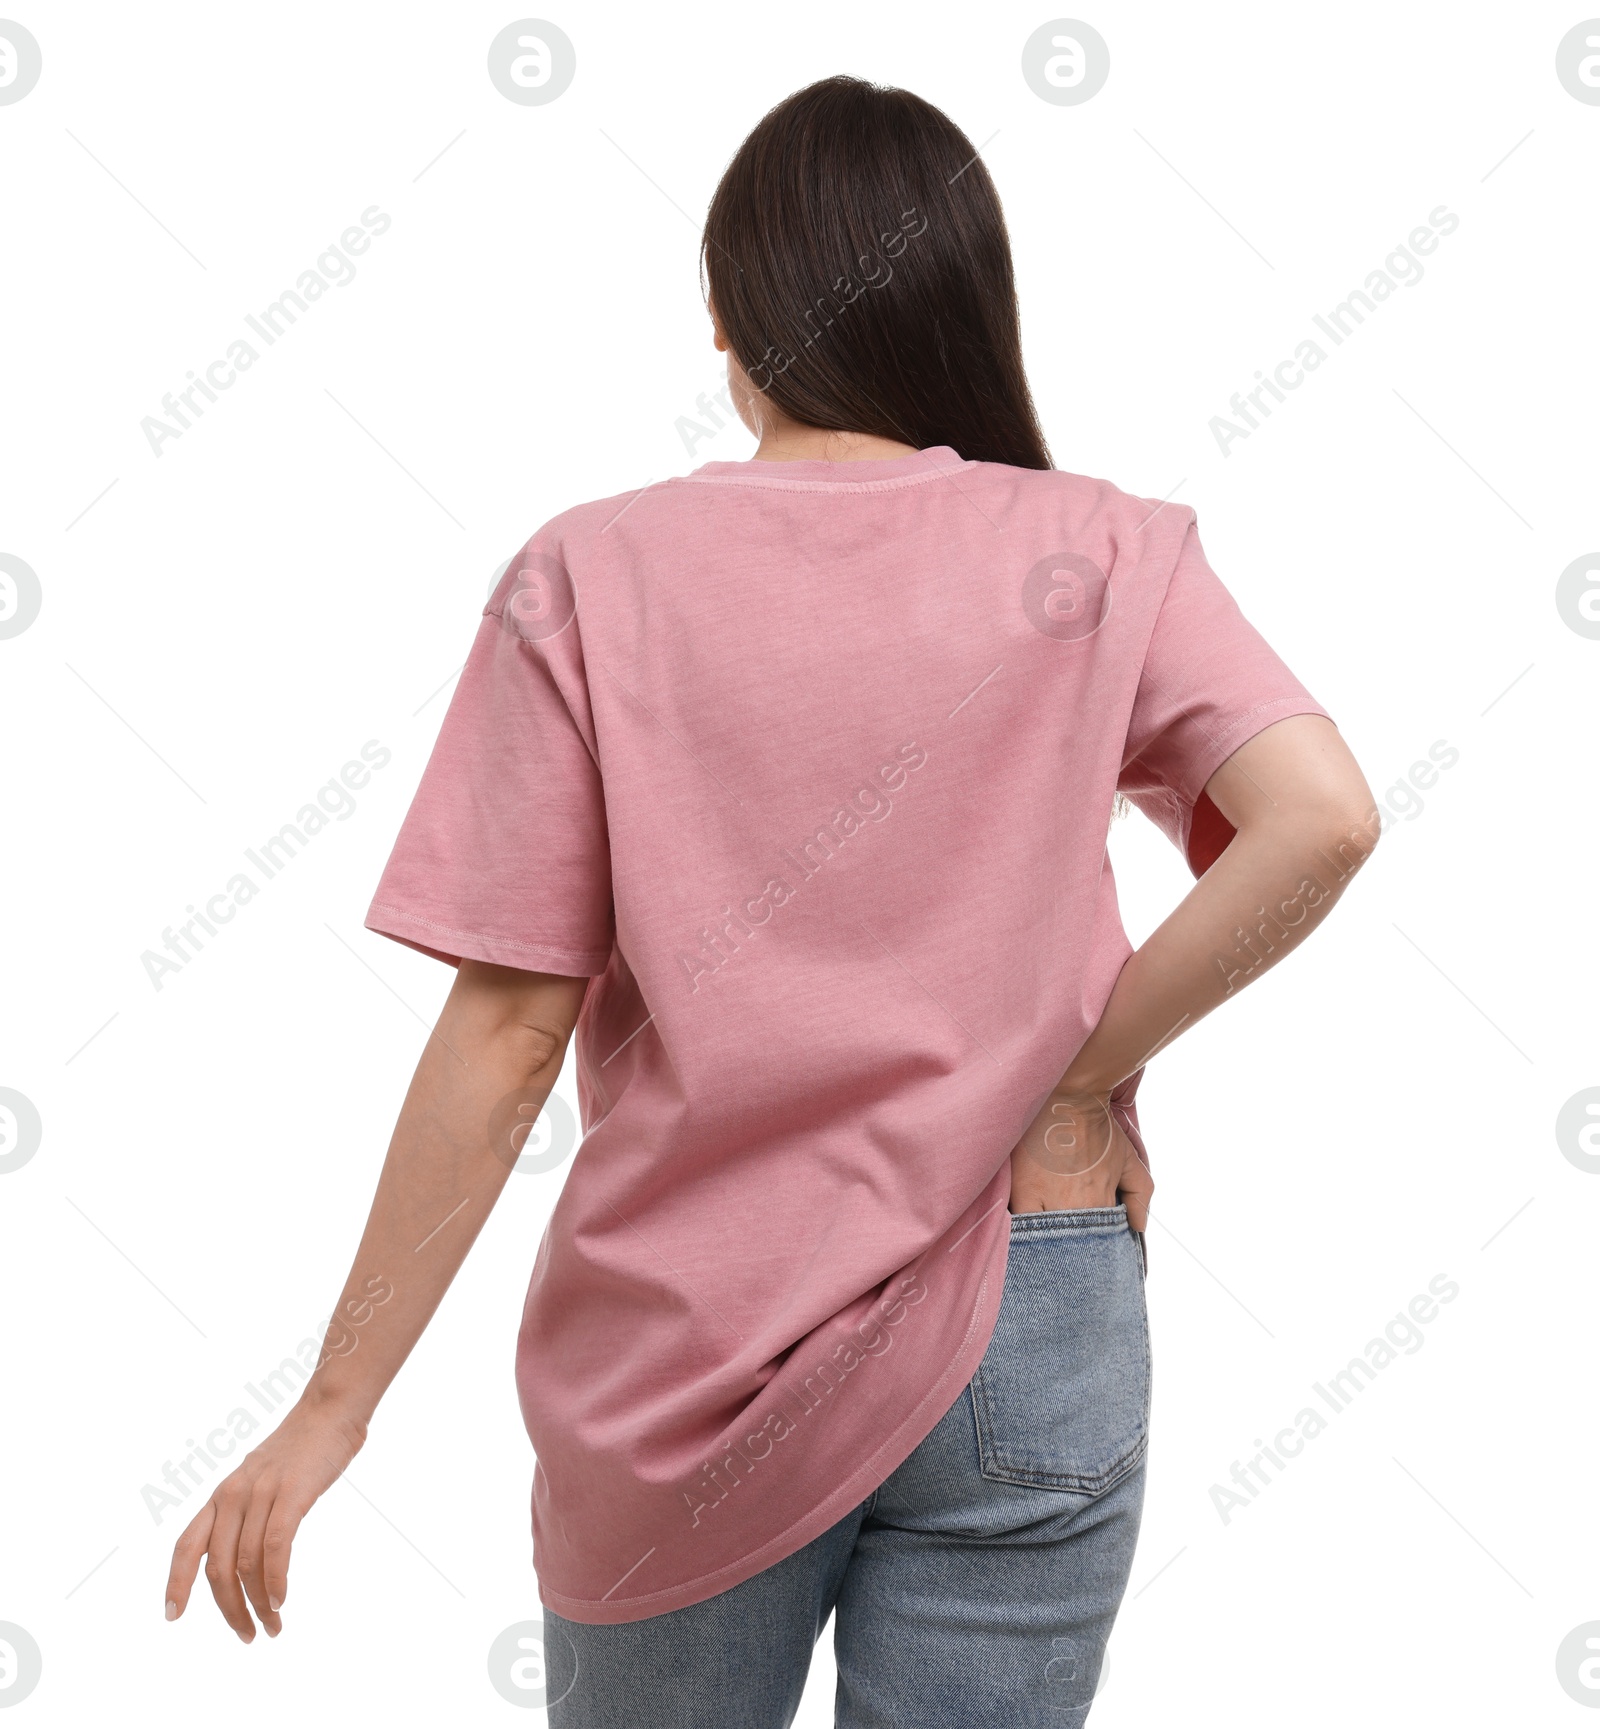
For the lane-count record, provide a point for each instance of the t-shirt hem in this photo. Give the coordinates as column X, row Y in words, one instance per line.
column 880, row 1464
column 446, row 943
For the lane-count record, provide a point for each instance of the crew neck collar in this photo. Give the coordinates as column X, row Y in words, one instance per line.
column 813, row 474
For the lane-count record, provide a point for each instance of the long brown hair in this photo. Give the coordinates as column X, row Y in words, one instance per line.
column 858, row 261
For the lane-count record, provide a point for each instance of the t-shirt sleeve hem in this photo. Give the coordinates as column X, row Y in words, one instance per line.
column 1238, row 733
column 447, row 943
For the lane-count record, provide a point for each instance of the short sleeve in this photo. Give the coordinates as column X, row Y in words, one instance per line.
column 503, row 855
column 1209, row 684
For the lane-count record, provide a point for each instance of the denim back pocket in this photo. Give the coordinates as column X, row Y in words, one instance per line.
column 1061, row 1399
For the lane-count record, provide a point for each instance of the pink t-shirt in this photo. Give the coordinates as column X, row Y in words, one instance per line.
column 809, row 767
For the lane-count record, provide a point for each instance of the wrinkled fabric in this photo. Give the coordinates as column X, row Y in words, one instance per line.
column 808, row 767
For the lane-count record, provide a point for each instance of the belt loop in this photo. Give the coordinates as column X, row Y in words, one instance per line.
column 1144, row 1256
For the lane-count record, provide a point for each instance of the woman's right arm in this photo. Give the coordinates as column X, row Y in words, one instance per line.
column 1305, row 821
column 487, row 1069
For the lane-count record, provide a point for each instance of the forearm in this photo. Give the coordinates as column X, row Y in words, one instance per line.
column 478, row 1088
column 1305, row 822
column 1274, row 884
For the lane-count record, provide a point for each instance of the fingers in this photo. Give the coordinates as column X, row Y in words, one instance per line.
column 1134, row 1189
column 222, row 1563
column 1138, row 1210
column 1080, row 1134
column 1038, row 1191
column 249, row 1548
column 251, row 1566
column 276, row 1543
column 245, row 1532
column 186, row 1554
column 1077, row 1154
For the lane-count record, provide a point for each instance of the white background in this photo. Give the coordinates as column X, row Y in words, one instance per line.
column 303, row 570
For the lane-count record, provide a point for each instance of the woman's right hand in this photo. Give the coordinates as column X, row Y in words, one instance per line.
column 1076, row 1153
column 248, row 1526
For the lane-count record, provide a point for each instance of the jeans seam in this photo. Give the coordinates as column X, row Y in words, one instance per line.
column 1069, row 1482
column 1074, row 1482
column 1069, row 1219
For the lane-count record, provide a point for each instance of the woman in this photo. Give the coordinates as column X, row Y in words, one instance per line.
column 786, row 784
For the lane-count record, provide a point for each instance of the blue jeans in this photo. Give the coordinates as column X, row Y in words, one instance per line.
column 978, row 1584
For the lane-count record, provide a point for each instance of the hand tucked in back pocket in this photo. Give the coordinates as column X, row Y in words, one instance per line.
column 1076, row 1153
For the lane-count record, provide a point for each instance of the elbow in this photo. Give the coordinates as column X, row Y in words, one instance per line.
column 526, row 1018
column 544, row 1021
column 540, row 1045
column 1344, row 829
